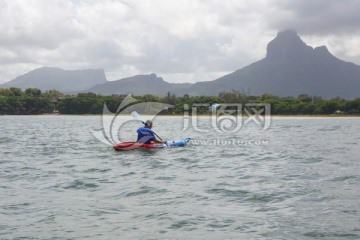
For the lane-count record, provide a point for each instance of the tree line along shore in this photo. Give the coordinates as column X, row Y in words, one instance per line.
column 14, row 101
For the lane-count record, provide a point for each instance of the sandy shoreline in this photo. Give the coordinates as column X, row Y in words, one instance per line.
column 201, row 116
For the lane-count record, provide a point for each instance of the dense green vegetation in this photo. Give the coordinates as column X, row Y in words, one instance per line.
column 31, row 101
column 34, row 101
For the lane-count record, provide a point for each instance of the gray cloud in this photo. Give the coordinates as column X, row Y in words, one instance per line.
column 318, row 17
column 188, row 40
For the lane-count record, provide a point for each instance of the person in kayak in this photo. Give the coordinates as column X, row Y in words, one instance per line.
column 146, row 135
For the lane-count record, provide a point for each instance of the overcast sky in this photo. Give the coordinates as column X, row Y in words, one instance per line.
column 181, row 41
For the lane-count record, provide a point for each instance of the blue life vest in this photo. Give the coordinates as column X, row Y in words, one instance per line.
column 145, row 135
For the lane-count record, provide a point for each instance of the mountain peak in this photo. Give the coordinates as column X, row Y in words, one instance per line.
column 288, row 33
column 287, row 44
column 322, row 50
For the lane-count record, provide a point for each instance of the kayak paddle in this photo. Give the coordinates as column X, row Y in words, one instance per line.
column 137, row 116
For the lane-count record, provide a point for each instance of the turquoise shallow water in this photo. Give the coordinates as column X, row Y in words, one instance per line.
column 299, row 179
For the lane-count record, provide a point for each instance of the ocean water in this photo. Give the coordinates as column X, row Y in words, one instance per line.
column 299, row 179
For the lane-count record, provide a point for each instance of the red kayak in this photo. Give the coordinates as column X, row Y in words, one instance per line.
column 123, row 146
column 134, row 145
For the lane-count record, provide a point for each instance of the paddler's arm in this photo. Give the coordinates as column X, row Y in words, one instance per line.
column 155, row 139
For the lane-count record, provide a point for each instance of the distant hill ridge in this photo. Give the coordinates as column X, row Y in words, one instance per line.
column 290, row 68
column 138, row 85
column 47, row 78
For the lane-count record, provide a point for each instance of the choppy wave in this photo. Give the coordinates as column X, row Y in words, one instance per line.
column 58, row 182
